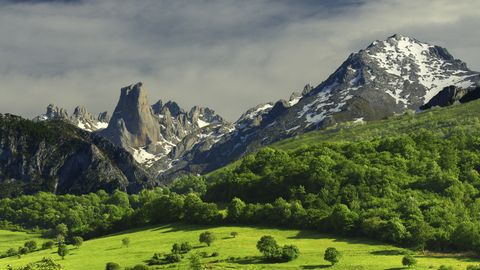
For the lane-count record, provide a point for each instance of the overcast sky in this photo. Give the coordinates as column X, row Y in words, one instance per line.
column 228, row 55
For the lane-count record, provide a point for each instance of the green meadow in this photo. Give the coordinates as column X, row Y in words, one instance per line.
column 235, row 253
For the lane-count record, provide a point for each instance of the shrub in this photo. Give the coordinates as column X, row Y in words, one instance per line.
column 112, row 266
column 290, row 253
column 207, row 238
column 23, row 250
column 173, row 258
column 443, row 267
column 203, row 254
column 332, row 255
column 215, row 254
column 234, row 234
column 48, row 245
column 11, row 252
column 185, row 247
column 30, row 245
column 126, row 242
column 409, row 260
column 473, row 267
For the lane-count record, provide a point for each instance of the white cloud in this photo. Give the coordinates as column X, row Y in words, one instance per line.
column 228, row 55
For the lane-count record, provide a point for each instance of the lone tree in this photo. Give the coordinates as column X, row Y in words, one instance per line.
column 77, row 241
column 207, row 238
column 126, row 242
column 332, row 255
column 112, row 266
column 409, row 260
column 62, row 251
column 234, row 234
column 268, row 247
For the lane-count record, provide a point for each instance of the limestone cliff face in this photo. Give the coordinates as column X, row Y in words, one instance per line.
column 133, row 123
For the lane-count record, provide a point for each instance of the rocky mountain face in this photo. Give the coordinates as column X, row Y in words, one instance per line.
column 80, row 117
column 451, row 94
column 56, row 156
column 383, row 79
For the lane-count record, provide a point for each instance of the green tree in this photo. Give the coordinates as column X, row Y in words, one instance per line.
column 112, row 266
column 409, row 260
column 234, row 234
column 77, row 241
column 195, row 263
column 11, row 252
column 235, row 209
column 185, row 247
column 207, row 238
column 332, row 255
column 268, row 247
column 126, row 242
column 62, row 251
column 61, row 229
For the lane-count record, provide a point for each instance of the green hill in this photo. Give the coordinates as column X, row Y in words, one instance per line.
column 356, row 253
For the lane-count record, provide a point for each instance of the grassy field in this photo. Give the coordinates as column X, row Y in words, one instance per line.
column 356, row 253
column 9, row 239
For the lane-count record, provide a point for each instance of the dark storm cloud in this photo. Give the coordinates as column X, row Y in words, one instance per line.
column 228, row 54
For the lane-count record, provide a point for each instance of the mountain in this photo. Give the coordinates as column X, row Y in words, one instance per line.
column 56, row 156
column 80, row 117
column 386, row 78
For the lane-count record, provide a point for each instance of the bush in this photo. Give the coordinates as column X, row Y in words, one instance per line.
column 215, row 254
column 126, row 242
column 332, row 255
column 290, row 253
column 48, row 245
column 443, row 267
column 409, row 260
column 203, row 254
column 185, row 247
column 234, row 234
column 173, row 258
column 11, row 252
column 207, row 238
column 112, row 266
column 30, row 245
column 473, row 267
column 23, row 250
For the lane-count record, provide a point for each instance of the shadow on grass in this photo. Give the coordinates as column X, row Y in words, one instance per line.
column 389, row 252
column 319, row 266
column 397, row 268
column 248, row 260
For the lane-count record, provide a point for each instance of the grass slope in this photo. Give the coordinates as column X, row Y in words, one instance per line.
column 9, row 239
column 356, row 253
column 462, row 116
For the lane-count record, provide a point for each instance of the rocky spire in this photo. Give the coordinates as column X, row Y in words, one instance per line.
column 133, row 123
